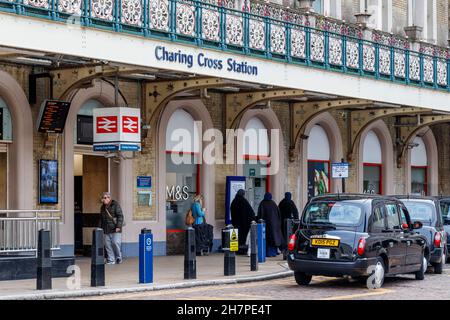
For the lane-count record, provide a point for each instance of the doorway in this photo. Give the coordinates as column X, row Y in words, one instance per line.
column 256, row 183
column 91, row 178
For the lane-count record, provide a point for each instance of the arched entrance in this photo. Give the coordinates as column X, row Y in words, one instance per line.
column 86, row 173
column 16, row 144
column 375, row 160
column 181, row 173
column 322, row 146
column 421, row 174
column 260, row 155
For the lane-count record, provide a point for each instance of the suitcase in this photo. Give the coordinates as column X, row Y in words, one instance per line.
column 203, row 238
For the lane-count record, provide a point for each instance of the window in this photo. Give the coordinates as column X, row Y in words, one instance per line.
column 419, row 167
column 5, row 122
column 377, row 220
column 422, row 211
column 419, row 181
column 318, row 162
column 372, row 164
column 344, row 213
column 392, row 217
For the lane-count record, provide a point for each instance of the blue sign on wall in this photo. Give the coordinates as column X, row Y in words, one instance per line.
column 233, row 185
column 144, row 181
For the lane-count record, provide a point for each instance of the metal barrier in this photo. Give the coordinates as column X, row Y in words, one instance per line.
column 19, row 229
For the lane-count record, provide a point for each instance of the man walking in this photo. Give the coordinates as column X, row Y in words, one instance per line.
column 111, row 223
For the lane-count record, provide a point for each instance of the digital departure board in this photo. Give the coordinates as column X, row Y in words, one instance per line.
column 53, row 116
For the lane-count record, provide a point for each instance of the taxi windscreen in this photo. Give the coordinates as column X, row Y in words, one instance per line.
column 339, row 213
column 422, row 211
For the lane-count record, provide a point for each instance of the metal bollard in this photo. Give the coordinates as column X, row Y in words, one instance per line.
column 44, row 261
column 261, row 241
column 190, row 264
column 146, row 256
column 97, row 259
column 229, row 261
column 254, row 247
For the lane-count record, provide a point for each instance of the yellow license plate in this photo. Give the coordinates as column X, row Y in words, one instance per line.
column 325, row 242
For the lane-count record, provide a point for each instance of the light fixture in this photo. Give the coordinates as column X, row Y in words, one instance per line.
column 44, row 62
column 143, row 76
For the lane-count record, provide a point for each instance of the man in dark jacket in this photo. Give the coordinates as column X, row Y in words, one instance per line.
column 111, row 223
column 288, row 210
column 242, row 215
column 268, row 210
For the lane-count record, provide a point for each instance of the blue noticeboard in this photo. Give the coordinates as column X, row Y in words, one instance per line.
column 144, row 181
column 232, row 186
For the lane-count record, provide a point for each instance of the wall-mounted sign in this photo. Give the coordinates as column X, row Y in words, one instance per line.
column 48, row 181
column 204, row 61
column 252, row 172
column 339, row 170
column 117, row 129
column 52, row 116
column 232, row 187
column 177, row 193
column 144, row 181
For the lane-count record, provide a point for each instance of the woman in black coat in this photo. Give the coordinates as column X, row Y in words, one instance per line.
column 242, row 215
column 268, row 210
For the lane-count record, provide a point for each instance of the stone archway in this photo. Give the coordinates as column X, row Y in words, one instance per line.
column 104, row 93
column 278, row 181
column 20, row 176
column 381, row 130
column 199, row 112
column 328, row 123
column 432, row 158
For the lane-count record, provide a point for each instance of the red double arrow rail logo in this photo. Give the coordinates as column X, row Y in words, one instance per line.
column 107, row 124
column 130, row 124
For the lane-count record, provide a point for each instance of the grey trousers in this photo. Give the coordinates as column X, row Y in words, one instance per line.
column 113, row 243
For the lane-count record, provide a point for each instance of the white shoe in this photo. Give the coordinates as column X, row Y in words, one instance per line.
column 111, row 262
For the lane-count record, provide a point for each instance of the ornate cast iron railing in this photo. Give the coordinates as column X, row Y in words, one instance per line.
column 260, row 30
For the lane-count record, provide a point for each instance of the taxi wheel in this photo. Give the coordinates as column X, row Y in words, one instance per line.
column 439, row 266
column 302, row 278
column 420, row 275
column 376, row 279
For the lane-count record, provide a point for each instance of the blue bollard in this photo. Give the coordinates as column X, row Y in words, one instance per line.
column 261, row 241
column 146, row 256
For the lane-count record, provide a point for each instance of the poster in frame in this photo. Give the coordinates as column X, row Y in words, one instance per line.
column 48, row 181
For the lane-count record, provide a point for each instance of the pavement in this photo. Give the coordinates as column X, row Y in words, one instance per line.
column 123, row 278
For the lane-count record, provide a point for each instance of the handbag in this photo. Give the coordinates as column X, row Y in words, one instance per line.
column 113, row 218
column 189, row 219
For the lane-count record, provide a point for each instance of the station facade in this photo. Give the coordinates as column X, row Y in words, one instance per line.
column 391, row 148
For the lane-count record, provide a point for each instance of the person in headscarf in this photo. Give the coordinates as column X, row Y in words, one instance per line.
column 242, row 215
column 269, row 212
column 288, row 210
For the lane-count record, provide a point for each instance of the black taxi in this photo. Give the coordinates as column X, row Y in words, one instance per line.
column 356, row 235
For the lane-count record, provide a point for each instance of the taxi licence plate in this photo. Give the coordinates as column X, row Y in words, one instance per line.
column 325, row 242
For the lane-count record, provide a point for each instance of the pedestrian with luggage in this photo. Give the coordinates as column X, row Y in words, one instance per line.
column 112, row 223
column 203, row 232
column 198, row 212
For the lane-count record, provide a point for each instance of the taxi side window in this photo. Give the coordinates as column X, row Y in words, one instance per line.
column 377, row 221
column 403, row 218
column 393, row 219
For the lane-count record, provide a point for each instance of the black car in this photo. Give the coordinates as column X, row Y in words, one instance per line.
column 428, row 211
column 445, row 213
column 356, row 235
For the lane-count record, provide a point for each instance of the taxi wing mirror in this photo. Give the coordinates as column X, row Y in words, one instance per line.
column 417, row 225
